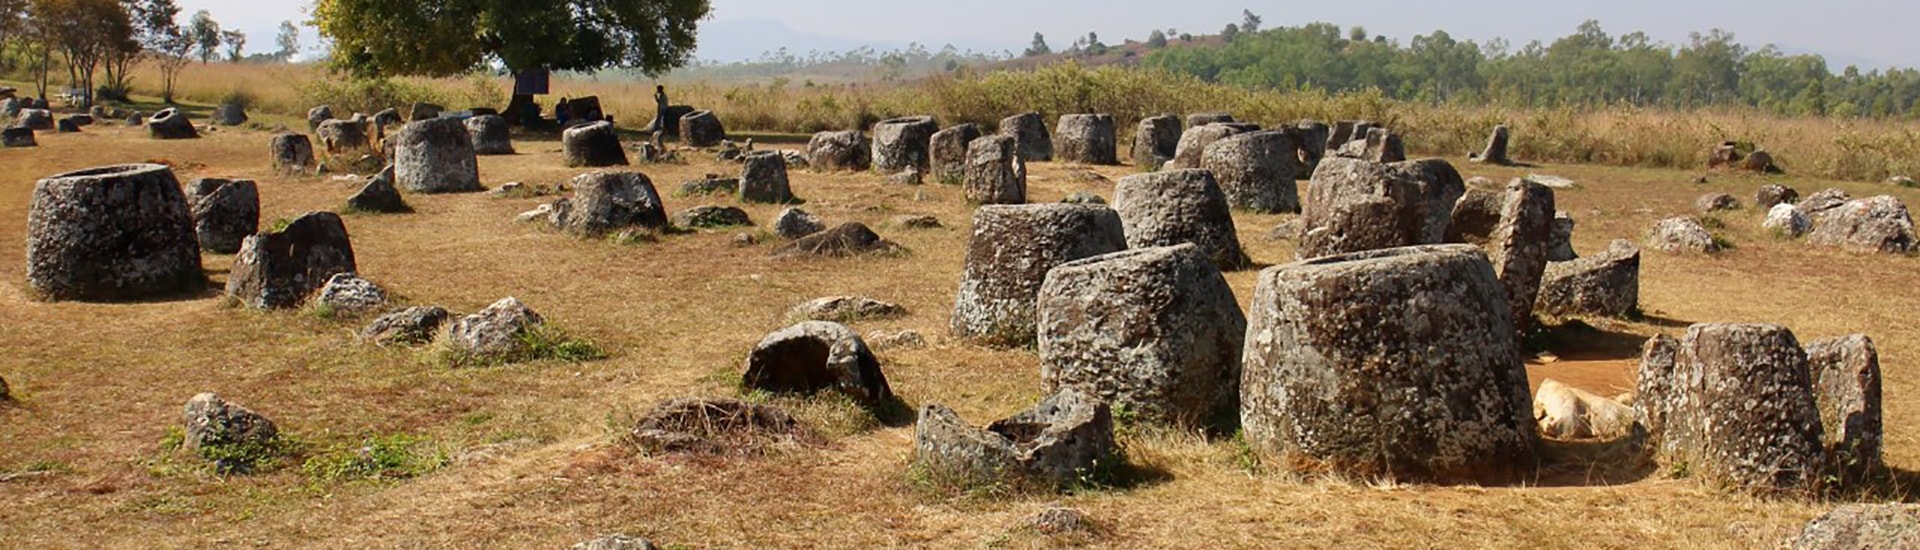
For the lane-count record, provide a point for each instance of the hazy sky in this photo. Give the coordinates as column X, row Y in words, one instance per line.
column 1873, row 33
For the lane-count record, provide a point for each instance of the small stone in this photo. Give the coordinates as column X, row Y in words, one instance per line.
column 794, row 222
column 1560, row 249
column 842, row 309
column 847, row 239
column 743, row 240
column 1786, row 221
column 1716, row 202
column 538, row 213
column 1084, row 197
column 905, row 339
column 1863, row 526
column 213, row 423
column 411, row 326
column 711, row 217
column 909, row 177
column 495, row 331
column 815, row 356
column 1682, row 235
column 348, row 294
column 918, row 222
column 615, row 542
column 1769, row 195
column 1055, row 521
column 710, row 185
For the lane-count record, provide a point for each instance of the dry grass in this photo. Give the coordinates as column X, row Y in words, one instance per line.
column 533, row 448
column 1850, row 149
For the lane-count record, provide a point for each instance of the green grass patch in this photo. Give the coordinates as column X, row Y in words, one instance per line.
column 378, row 458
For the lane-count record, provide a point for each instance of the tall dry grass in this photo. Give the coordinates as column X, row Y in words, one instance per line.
column 1850, row 149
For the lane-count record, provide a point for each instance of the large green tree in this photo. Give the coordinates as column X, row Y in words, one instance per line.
column 447, row 37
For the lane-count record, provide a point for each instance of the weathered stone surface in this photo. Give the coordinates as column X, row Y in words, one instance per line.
column 1256, row 170
column 228, row 114
column 292, row 153
column 39, row 120
column 1519, row 245
column 496, row 331
column 995, row 172
column 116, row 233
column 1567, row 413
column 1760, row 161
column 1399, row 363
column 1155, row 141
column 1087, row 139
column 1846, row 387
column 225, row 212
column 67, row 125
column 212, row 422
column 1179, row 206
column 910, row 177
column 1030, row 131
column 317, row 115
column 1496, row 150
column 815, row 356
column 918, row 222
column 1155, row 331
column 847, row 239
column 709, row 216
column 1862, row 526
column 1057, row 442
column 1380, row 145
column 794, row 223
column 607, row 202
column 386, row 117
column 844, row 150
column 1084, row 197
column 1822, row 201
column 435, row 156
column 411, row 326
column 842, row 309
column 342, row 136
column 1681, row 235
column 1055, row 520
column 1311, row 138
column 763, row 179
column 18, row 136
column 1786, row 221
column 949, row 151
column 1560, row 248
column 424, row 111
column 716, row 426
column 1870, row 225
column 1189, row 153
column 1606, row 285
column 1716, row 202
column 1354, row 205
column 615, row 542
column 592, row 145
column 1769, row 195
column 349, row 295
column 900, row 144
column 1195, row 120
column 171, row 124
column 281, row 269
column 701, row 129
column 905, row 339
column 379, row 195
column 713, row 184
column 490, row 135
column 1008, row 255
column 1735, row 404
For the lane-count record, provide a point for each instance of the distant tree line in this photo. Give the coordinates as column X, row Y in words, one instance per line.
column 1588, row 67
column 99, row 42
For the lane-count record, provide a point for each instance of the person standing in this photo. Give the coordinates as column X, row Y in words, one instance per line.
column 659, row 108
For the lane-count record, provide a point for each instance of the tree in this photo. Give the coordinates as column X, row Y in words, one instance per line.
column 1157, row 39
column 85, row 33
column 450, row 37
column 1228, row 34
column 122, row 49
column 205, row 33
column 1039, row 46
column 288, row 40
column 171, row 47
column 236, row 43
column 13, row 23
column 1249, row 22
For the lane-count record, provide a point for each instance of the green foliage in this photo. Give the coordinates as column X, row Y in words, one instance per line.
column 389, row 457
column 543, row 343
column 448, row 37
column 239, row 97
column 366, row 95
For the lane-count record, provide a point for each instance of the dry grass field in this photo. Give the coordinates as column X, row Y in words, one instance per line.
column 527, row 455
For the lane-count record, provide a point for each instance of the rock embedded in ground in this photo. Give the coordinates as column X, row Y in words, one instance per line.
column 1606, row 285
column 604, row 203
column 815, row 356
column 292, row 154
column 1862, row 526
column 712, row 217
column 499, row 331
column 1786, row 221
column 213, row 425
column 847, row 239
column 1769, row 195
column 349, row 295
column 1878, row 224
column 1716, row 202
column 842, row 309
column 281, row 269
column 1682, row 235
column 410, row 326
column 110, row 234
column 795, row 222
column 1059, row 441
column 615, row 542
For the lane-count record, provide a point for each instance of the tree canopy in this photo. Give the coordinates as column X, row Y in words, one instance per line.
column 449, row 37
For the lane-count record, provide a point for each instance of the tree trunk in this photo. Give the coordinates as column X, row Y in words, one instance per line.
column 514, row 108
